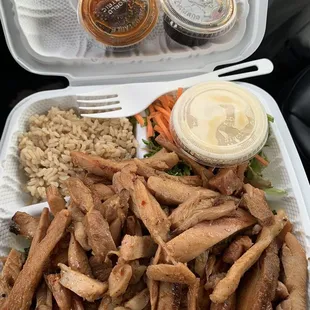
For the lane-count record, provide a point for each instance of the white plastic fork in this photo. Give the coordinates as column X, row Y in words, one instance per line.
column 129, row 99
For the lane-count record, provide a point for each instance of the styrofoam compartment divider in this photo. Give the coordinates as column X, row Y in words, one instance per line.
column 44, row 36
column 285, row 170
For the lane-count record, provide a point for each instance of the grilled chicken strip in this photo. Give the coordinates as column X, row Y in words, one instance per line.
column 138, row 302
column 171, row 192
column 204, row 173
column 235, row 250
column 192, row 295
column 229, row 284
column 147, row 171
column 133, row 226
column 55, row 201
column 294, row 262
column 12, row 267
column 62, row 295
column 21, row 295
column 226, row 182
column 101, row 270
column 40, row 232
column 254, row 200
column 77, row 302
column 152, row 215
column 281, row 292
column 99, row 235
column 229, row 304
column 101, row 191
column 24, row 224
column 169, row 296
column 76, row 213
column 178, row 273
column 258, row 287
column 77, row 258
column 84, row 286
column 135, row 247
column 209, row 214
column 44, row 297
column 152, row 285
column 119, row 279
column 81, row 236
column 203, row 236
column 137, row 272
column 80, row 194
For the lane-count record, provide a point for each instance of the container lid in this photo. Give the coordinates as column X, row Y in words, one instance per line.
column 201, row 15
column 219, row 124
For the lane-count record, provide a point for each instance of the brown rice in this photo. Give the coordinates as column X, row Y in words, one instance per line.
column 45, row 147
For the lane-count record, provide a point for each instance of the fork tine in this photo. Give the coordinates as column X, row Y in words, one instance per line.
column 104, row 107
column 96, row 101
column 111, row 114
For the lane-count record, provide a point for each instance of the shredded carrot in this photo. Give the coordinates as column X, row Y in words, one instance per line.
column 166, row 120
column 150, row 130
column 179, row 92
column 159, row 130
column 163, row 111
column 140, row 119
column 151, row 109
column 262, row 160
column 152, row 115
column 165, row 129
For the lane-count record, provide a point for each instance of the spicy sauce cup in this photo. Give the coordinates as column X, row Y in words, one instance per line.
column 118, row 23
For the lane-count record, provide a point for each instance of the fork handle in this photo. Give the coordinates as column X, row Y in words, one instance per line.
column 258, row 67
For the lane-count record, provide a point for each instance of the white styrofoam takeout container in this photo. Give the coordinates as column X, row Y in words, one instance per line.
column 160, row 64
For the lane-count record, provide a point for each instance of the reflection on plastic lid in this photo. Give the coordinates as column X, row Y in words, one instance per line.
column 219, row 124
column 118, row 23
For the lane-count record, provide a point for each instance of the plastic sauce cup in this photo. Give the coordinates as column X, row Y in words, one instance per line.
column 194, row 22
column 219, row 124
column 118, row 23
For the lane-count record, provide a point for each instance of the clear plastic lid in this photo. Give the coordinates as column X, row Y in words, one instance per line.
column 201, row 16
column 219, row 124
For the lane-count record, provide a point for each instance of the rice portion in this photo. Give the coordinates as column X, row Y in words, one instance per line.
column 45, row 148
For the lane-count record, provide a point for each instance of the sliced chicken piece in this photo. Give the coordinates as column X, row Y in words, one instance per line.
column 229, row 284
column 101, row 270
column 98, row 234
column 160, row 153
column 203, row 236
column 294, row 262
column 171, row 192
column 236, row 249
column 178, row 273
column 12, row 267
column 77, row 258
column 258, row 287
column 62, row 295
column 192, row 295
column 102, row 191
column 281, row 237
column 77, row 302
column 24, row 224
column 133, row 226
column 5, row 290
column 209, row 214
column 201, row 263
column 40, row 232
column 116, row 231
column 44, row 297
column 281, row 292
column 164, row 161
column 123, row 180
column 90, row 179
column 241, row 169
column 21, row 295
column 81, row 236
column 84, row 286
column 147, row 171
column 226, row 182
column 135, row 247
column 77, row 214
column 137, row 272
column 213, row 280
column 169, row 296
column 138, row 302
column 229, row 304
column 119, row 279
column 204, row 173
column 55, row 201
column 108, row 303
column 80, row 194
column 153, row 217
column 254, row 200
